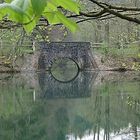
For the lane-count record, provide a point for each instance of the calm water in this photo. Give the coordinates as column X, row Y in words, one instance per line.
column 37, row 107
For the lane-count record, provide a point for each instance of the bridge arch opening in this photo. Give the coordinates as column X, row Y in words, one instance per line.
column 64, row 69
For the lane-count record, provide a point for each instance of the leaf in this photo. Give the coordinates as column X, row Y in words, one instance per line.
column 16, row 11
column 22, row 4
column 30, row 26
column 38, row 6
column 7, row 1
column 50, row 7
column 67, row 22
column 25, row 6
column 29, row 11
column 52, row 18
column 70, row 5
column 57, row 17
column 13, row 12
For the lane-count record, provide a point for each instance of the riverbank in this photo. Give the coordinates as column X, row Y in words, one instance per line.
column 29, row 62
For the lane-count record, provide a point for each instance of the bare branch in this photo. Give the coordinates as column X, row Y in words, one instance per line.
column 117, row 14
column 121, row 7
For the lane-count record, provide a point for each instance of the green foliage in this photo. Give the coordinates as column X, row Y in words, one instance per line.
column 38, row 6
column 68, row 5
column 127, row 51
column 28, row 12
column 56, row 17
column 11, row 53
column 136, row 66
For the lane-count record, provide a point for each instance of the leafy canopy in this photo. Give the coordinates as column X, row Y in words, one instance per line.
column 28, row 12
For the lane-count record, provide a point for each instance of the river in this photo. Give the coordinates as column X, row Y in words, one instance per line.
column 36, row 106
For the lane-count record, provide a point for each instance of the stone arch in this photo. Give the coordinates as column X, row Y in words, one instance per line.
column 80, row 52
column 72, row 77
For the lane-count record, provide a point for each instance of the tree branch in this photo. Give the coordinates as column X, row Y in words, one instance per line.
column 113, row 12
column 121, row 7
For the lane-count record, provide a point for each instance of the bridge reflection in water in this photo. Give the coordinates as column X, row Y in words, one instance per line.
column 81, row 86
column 68, row 111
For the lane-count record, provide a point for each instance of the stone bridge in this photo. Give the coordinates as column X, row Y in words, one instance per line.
column 80, row 52
column 77, row 87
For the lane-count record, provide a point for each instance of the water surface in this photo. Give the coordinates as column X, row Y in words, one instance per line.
column 37, row 107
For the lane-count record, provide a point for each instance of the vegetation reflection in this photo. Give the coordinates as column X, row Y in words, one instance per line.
column 111, row 110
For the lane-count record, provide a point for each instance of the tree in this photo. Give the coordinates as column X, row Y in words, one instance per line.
column 29, row 12
column 32, row 13
column 106, row 9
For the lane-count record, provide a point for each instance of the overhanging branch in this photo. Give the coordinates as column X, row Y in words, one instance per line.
column 112, row 11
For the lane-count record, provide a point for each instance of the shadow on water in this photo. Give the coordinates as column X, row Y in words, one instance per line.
column 37, row 107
